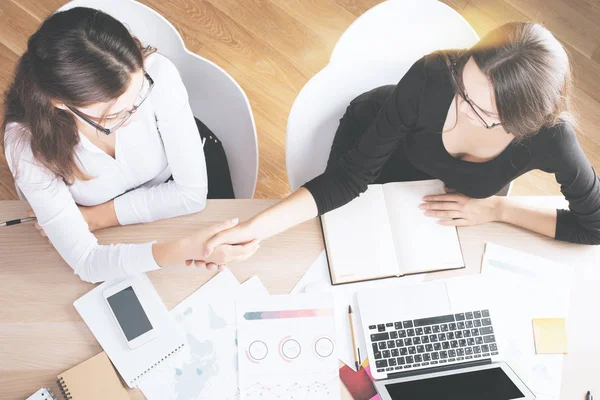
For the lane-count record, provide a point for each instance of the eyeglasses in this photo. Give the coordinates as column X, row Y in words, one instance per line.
column 465, row 97
column 121, row 117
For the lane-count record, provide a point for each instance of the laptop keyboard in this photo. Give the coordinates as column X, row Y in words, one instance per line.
column 427, row 342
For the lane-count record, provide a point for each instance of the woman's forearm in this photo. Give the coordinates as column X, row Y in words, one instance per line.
column 539, row 220
column 100, row 216
column 168, row 253
column 299, row 207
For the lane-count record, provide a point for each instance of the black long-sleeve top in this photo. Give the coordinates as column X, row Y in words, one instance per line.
column 411, row 120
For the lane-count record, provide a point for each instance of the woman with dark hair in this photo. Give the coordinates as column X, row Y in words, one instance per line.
column 98, row 132
column 475, row 119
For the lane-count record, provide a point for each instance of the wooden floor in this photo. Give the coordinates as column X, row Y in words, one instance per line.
column 272, row 47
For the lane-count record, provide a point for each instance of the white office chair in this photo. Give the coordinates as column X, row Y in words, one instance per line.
column 376, row 50
column 215, row 97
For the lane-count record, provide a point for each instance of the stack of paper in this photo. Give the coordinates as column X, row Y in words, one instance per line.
column 209, row 367
column 317, row 280
column 518, row 287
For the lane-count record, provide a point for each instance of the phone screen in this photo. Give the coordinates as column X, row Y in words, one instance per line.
column 130, row 314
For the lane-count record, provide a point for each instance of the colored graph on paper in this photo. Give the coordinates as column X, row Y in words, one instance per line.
column 287, row 348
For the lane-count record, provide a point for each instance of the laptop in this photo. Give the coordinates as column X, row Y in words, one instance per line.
column 421, row 347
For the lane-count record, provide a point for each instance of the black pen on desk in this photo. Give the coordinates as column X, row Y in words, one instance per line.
column 18, row 221
column 356, row 350
column 589, row 396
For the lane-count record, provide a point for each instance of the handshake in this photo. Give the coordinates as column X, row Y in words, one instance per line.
column 212, row 247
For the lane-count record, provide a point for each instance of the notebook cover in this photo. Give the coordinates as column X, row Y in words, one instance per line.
column 94, row 379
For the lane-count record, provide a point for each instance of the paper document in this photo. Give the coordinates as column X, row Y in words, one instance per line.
column 208, row 370
column 132, row 364
column 287, row 347
column 316, row 280
column 518, row 287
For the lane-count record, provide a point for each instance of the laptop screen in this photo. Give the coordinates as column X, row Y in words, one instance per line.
column 489, row 384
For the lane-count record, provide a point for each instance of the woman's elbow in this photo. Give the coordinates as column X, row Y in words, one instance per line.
column 589, row 236
column 593, row 237
column 86, row 273
column 86, row 276
column 84, row 268
column 195, row 198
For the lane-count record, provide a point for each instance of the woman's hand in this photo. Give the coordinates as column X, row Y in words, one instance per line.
column 31, row 214
column 239, row 234
column 455, row 209
column 194, row 247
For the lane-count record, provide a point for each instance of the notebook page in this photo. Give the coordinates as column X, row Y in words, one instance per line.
column 359, row 240
column 421, row 243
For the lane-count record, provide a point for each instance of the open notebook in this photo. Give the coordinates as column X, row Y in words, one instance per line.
column 383, row 234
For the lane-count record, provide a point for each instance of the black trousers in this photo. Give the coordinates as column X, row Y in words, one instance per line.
column 217, row 168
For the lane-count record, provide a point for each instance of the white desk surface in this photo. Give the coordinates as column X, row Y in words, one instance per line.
column 41, row 334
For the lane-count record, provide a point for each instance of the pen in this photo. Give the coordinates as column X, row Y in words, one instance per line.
column 356, row 350
column 589, row 396
column 17, row 221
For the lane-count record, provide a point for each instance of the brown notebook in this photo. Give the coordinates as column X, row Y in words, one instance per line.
column 94, row 379
column 384, row 234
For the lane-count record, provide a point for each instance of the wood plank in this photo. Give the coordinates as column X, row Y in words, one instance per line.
column 590, row 9
column 16, row 25
column 564, row 21
column 458, row 5
column 326, row 19
column 485, row 15
column 279, row 30
column 358, row 7
column 40, row 10
column 596, row 55
column 8, row 61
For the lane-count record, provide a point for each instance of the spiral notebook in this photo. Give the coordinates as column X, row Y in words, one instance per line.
column 134, row 364
column 94, row 379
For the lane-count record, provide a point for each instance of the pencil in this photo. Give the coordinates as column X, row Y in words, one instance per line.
column 356, row 351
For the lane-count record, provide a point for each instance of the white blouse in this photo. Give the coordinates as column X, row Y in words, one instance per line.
column 163, row 141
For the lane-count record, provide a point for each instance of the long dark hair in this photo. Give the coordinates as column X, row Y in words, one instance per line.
column 78, row 57
column 530, row 73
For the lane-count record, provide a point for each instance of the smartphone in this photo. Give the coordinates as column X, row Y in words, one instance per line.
column 131, row 318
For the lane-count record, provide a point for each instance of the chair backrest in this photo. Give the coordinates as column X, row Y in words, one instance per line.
column 376, row 50
column 215, row 97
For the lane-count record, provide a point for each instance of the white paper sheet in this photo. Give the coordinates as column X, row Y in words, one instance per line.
column 317, row 280
column 287, row 347
column 209, row 369
column 518, row 287
column 132, row 363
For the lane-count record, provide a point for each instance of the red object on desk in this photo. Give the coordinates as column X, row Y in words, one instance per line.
column 359, row 384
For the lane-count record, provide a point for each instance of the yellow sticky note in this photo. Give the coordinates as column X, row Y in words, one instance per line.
column 550, row 335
